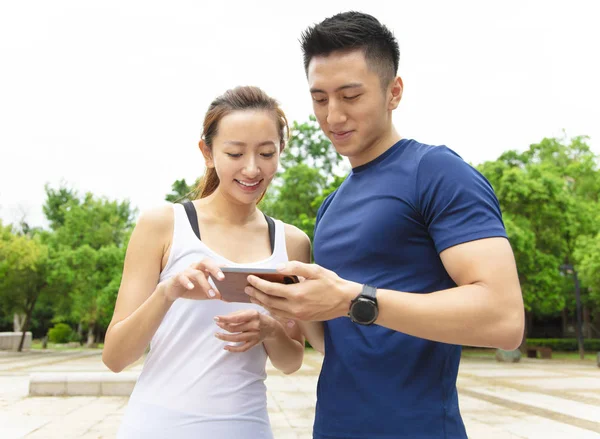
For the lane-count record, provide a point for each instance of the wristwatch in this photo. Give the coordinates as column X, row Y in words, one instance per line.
column 364, row 309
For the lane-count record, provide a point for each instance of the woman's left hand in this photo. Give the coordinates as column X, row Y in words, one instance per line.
column 248, row 327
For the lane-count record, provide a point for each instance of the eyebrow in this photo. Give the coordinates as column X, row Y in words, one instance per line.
column 343, row 87
column 238, row 143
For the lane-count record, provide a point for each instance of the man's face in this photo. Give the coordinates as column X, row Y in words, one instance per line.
column 350, row 104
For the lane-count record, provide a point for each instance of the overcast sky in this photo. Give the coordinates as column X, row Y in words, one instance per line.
column 109, row 96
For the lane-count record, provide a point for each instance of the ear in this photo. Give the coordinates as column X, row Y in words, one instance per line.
column 396, row 90
column 207, row 153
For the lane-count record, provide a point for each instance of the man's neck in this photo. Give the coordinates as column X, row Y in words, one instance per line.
column 378, row 147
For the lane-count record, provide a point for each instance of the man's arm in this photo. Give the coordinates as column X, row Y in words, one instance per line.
column 485, row 309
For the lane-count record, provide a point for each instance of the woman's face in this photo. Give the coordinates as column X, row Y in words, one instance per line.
column 245, row 154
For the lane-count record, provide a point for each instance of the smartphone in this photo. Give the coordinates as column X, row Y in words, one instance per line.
column 236, row 279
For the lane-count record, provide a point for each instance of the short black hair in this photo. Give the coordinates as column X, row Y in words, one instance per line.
column 354, row 31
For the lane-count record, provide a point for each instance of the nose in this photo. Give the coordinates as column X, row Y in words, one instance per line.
column 251, row 169
column 335, row 113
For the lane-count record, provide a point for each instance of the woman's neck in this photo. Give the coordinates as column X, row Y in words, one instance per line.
column 228, row 211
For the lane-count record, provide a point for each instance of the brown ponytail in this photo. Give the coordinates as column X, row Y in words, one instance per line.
column 239, row 98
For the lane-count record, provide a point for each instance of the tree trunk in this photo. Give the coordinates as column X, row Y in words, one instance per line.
column 25, row 327
column 90, row 335
column 565, row 321
column 18, row 320
column 587, row 329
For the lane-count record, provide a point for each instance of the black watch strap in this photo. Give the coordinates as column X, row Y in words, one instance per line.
column 369, row 291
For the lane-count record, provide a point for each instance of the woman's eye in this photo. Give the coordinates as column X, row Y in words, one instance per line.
column 268, row 155
column 234, row 156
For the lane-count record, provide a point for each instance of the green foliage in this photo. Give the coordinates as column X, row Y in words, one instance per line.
column 23, row 268
column 549, row 199
column 587, row 255
column 60, row 333
column 181, row 191
column 311, row 171
column 308, row 146
column 95, row 222
column 58, row 201
column 565, row 344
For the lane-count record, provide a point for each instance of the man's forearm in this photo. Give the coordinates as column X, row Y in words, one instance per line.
column 472, row 315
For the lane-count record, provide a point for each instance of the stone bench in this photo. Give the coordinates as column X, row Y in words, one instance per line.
column 9, row 341
column 545, row 352
column 82, row 384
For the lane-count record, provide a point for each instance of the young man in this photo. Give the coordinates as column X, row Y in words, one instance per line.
column 411, row 254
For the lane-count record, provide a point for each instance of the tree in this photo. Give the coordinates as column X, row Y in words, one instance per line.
column 92, row 278
column 300, row 186
column 587, row 257
column 92, row 221
column 181, row 191
column 86, row 258
column 23, row 265
column 58, row 201
column 308, row 146
column 549, row 198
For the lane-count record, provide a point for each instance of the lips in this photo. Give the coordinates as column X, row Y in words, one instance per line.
column 341, row 135
column 248, row 186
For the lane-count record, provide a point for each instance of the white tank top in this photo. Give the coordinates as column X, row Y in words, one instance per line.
column 190, row 387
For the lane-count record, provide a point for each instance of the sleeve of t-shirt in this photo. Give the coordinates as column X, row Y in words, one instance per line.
column 457, row 203
column 323, row 207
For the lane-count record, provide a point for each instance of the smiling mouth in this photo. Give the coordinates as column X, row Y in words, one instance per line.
column 341, row 134
column 249, row 185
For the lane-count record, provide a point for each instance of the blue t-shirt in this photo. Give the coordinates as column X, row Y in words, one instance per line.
column 386, row 226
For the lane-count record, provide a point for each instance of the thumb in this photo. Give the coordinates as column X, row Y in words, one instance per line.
column 308, row 271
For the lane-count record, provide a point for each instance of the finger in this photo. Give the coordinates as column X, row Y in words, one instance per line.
column 308, row 271
column 200, row 278
column 266, row 300
column 185, row 281
column 237, row 338
column 270, row 288
column 238, row 316
column 241, row 327
column 242, row 348
column 274, row 312
column 211, row 267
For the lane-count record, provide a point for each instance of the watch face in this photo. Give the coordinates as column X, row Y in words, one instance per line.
column 364, row 311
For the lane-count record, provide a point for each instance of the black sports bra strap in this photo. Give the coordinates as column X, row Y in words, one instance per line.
column 271, row 224
column 192, row 216
column 190, row 210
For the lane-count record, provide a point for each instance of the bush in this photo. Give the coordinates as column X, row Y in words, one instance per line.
column 565, row 344
column 60, row 333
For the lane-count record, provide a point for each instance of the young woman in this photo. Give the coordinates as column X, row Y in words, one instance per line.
column 204, row 375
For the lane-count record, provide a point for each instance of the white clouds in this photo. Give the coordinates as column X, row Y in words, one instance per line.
column 110, row 96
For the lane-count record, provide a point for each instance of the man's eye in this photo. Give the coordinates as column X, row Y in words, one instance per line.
column 351, row 98
column 320, row 101
column 235, row 156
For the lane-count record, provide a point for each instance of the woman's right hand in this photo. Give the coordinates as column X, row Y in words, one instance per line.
column 192, row 283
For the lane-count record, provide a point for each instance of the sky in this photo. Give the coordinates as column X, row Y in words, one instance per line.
column 109, row 97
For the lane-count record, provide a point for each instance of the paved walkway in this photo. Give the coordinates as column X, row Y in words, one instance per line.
column 532, row 399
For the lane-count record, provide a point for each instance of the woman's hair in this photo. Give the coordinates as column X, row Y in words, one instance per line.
column 236, row 99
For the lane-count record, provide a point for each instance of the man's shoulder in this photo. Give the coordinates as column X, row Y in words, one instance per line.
column 419, row 152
